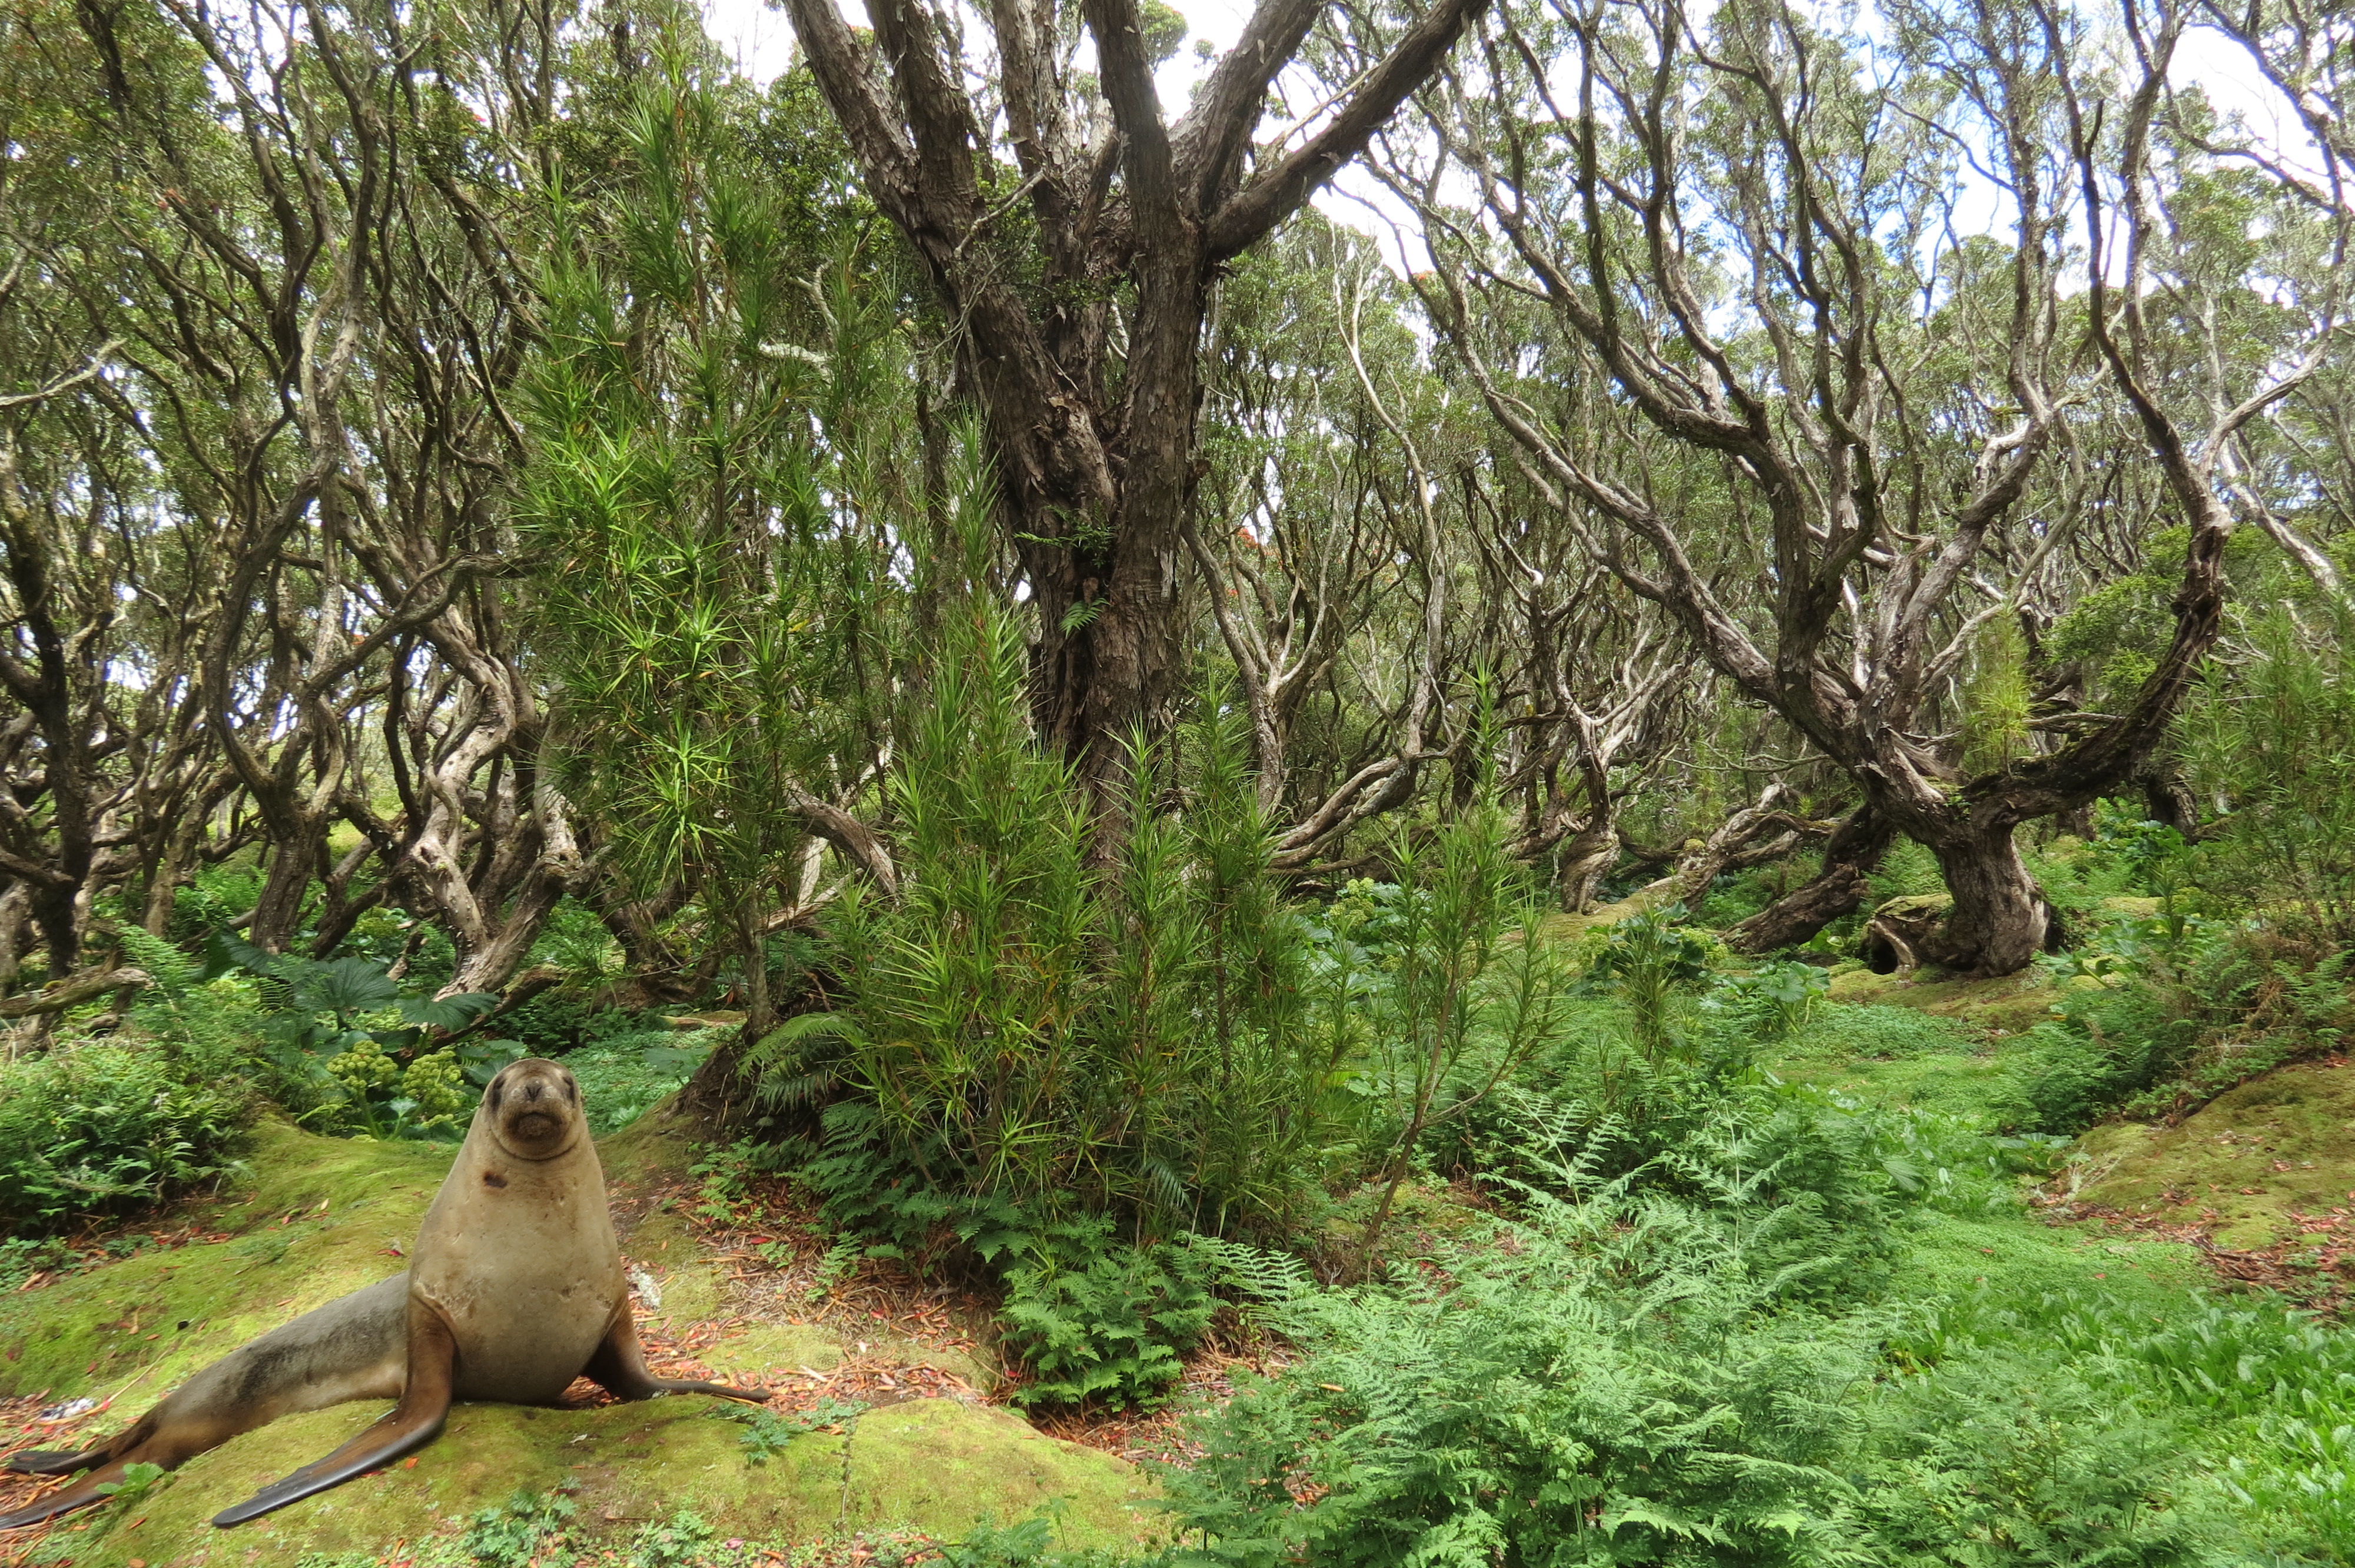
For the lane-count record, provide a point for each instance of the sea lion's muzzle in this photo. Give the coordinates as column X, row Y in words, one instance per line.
column 534, row 1107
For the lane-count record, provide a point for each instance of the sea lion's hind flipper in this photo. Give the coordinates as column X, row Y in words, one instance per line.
column 134, row 1445
column 81, row 1494
column 53, row 1461
column 407, row 1427
column 619, row 1367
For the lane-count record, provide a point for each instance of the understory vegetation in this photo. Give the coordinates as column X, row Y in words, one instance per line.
column 1528, row 907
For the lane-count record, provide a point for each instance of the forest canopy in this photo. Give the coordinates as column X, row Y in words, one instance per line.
column 459, row 463
column 1128, row 742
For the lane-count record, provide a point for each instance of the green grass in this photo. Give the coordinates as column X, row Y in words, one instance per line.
column 2028, row 1359
column 1900, row 1056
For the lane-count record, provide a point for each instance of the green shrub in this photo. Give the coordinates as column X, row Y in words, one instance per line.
column 1907, row 870
column 1772, row 1002
column 677, row 1542
column 357, row 1043
column 623, row 1077
column 212, row 898
column 2147, row 858
column 2274, row 739
column 1810, row 1184
column 1033, row 1030
column 769, row 1433
column 1647, row 958
column 557, row 1023
column 207, row 1026
column 1739, row 895
column 2183, row 1010
column 1606, row 1391
column 514, row 1534
column 21, row 1257
column 99, row 1128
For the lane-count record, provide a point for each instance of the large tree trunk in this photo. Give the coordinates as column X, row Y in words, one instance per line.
column 2000, row 920
column 1095, row 464
column 1587, row 859
column 1117, row 665
column 1994, row 922
column 293, row 858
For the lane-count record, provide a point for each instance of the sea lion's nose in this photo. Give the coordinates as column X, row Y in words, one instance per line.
column 531, row 1090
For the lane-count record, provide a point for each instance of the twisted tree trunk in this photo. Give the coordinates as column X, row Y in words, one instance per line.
column 1850, row 855
column 1095, row 464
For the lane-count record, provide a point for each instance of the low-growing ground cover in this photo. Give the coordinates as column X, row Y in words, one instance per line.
column 915, row 1453
column 1724, row 1269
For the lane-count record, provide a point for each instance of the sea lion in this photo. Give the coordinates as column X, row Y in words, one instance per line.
column 513, row 1288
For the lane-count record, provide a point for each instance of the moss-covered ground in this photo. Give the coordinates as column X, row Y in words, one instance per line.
column 2261, row 1165
column 319, row 1217
column 1953, row 1047
column 930, row 1466
column 2133, row 1218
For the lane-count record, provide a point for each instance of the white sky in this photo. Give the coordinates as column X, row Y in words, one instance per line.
column 762, row 41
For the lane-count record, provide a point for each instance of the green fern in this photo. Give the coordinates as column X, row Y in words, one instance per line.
column 1253, row 1272
column 170, row 971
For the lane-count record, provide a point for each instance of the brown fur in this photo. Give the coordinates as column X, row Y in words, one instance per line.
column 513, row 1288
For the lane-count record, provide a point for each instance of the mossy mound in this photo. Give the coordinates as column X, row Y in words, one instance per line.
column 321, row 1218
column 2244, row 1166
column 2004, row 1006
column 934, row 1466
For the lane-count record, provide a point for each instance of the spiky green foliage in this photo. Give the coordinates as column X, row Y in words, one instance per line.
column 1647, row 958
column 2276, row 747
column 702, row 499
column 1032, row 1034
column 1469, row 992
column 1997, row 700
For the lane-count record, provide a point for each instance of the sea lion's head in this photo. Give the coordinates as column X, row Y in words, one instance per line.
column 534, row 1108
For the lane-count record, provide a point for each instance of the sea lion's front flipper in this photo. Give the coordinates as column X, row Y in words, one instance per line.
column 409, row 1427
column 619, row 1367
